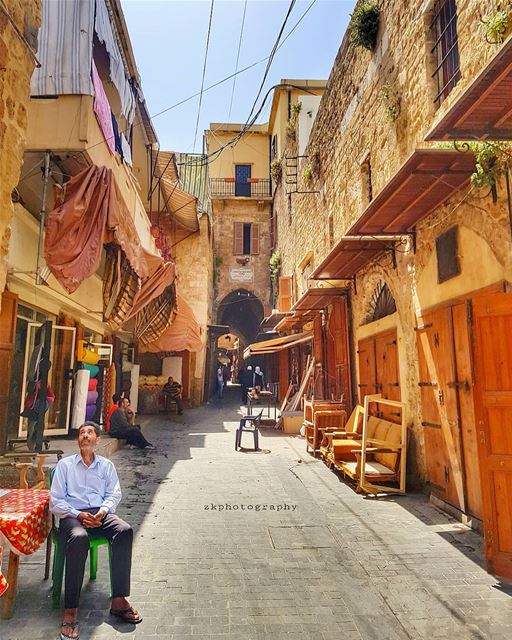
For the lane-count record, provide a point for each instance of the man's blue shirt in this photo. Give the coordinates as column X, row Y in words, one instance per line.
column 76, row 487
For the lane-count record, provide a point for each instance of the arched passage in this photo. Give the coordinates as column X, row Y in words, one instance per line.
column 242, row 311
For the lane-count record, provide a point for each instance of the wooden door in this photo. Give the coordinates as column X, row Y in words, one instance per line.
column 440, row 415
column 7, row 335
column 387, row 374
column 338, row 329
column 461, row 318
column 492, row 315
column 367, row 372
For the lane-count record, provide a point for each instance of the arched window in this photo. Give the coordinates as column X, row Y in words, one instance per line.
column 382, row 303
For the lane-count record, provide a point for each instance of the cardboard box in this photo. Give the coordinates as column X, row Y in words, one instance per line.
column 292, row 421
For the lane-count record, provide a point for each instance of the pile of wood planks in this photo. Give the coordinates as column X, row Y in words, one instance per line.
column 291, row 401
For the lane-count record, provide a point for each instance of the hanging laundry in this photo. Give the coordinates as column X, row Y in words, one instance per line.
column 126, row 150
column 102, row 110
column 117, row 137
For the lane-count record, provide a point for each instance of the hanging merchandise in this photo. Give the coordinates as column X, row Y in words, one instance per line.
column 93, row 383
column 92, row 369
column 81, row 386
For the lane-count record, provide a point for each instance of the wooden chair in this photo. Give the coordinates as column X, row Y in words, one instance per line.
column 380, row 456
column 324, row 421
column 337, row 445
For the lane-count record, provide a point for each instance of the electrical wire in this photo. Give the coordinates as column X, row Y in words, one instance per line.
column 218, row 83
column 204, row 73
column 237, row 59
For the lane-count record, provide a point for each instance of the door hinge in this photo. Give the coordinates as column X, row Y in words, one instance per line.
column 456, row 384
column 440, row 395
column 432, row 425
column 427, row 384
column 423, row 327
column 436, row 340
column 393, row 384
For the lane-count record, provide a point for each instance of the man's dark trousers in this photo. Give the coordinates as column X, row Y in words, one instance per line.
column 76, row 538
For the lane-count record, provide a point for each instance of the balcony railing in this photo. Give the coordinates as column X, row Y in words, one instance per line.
column 231, row 188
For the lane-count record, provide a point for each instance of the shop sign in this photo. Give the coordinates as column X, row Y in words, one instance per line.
column 241, row 274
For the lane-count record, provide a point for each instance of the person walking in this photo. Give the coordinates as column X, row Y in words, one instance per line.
column 258, row 378
column 220, row 382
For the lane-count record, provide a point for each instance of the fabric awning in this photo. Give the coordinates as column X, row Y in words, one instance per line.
column 426, row 180
column 484, row 110
column 318, row 298
column 181, row 205
column 183, row 334
column 347, row 257
column 277, row 344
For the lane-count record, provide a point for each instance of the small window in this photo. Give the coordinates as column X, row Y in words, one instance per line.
column 273, row 148
column 306, row 272
column 247, row 239
column 447, row 250
column 445, row 50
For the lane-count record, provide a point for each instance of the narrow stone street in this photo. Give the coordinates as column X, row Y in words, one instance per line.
column 272, row 545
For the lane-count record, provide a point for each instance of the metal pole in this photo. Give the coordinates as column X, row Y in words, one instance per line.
column 42, row 216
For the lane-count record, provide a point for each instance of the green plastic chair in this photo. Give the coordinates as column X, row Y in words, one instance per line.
column 59, row 560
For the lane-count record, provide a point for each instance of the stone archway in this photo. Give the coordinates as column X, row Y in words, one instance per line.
column 243, row 312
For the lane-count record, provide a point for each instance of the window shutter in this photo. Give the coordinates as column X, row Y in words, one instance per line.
column 285, row 293
column 255, row 238
column 238, row 238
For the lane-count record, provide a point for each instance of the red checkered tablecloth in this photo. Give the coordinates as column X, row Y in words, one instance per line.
column 25, row 522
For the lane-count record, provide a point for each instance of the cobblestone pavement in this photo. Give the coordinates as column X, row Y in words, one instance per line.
column 273, row 545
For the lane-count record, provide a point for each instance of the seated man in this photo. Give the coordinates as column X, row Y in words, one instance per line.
column 117, row 399
column 121, row 428
column 172, row 392
column 84, row 495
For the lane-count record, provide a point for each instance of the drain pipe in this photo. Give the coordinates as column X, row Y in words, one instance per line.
column 42, row 216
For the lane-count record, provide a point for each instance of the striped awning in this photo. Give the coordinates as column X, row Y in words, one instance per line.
column 182, row 206
column 277, row 344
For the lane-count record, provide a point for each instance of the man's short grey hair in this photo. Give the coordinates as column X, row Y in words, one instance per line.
column 89, row 423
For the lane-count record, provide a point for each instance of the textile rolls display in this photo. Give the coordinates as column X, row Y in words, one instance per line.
column 90, row 411
column 93, row 383
column 92, row 397
column 90, row 357
column 78, row 414
column 92, row 369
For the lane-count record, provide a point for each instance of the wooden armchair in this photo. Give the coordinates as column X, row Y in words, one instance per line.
column 324, row 420
column 337, row 445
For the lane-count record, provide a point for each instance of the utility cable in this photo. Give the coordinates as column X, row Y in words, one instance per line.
column 237, row 59
column 204, row 73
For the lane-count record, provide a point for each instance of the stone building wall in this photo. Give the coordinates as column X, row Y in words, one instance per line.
column 226, row 213
column 352, row 125
column 17, row 63
column 194, row 263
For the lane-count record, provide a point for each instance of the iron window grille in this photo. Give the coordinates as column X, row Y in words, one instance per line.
column 446, row 48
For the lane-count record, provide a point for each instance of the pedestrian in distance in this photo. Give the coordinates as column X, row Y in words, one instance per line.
column 220, row 383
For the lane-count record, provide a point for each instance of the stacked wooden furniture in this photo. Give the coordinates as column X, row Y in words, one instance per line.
column 380, row 454
column 320, row 417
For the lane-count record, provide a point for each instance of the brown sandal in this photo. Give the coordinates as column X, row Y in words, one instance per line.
column 70, row 625
column 123, row 615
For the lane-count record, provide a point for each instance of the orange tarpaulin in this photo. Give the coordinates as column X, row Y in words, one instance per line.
column 184, row 334
column 90, row 213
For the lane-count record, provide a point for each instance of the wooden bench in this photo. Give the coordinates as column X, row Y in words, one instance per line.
column 380, row 455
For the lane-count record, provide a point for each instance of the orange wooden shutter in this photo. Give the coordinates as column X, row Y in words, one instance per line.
column 255, row 238
column 7, row 337
column 238, row 238
column 285, row 293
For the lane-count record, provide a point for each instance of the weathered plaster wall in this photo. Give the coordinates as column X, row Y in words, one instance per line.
column 16, row 67
column 194, row 263
column 351, row 126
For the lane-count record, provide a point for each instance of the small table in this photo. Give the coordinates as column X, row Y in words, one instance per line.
column 262, row 396
column 25, row 523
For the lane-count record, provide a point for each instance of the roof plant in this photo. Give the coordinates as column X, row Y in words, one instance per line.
column 364, row 24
